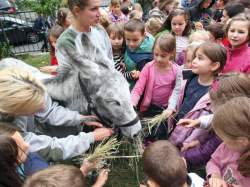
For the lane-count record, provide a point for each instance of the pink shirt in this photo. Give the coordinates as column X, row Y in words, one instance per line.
column 224, row 163
column 163, row 84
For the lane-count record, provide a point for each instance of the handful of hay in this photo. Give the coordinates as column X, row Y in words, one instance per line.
column 104, row 151
column 154, row 122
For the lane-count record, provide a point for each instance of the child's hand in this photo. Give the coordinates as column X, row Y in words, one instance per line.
column 122, row 64
column 88, row 167
column 102, row 178
column 189, row 123
column 217, row 181
column 168, row 112
column 135, row 74
column 192, row 144
column 198, row 26
column 50, row 69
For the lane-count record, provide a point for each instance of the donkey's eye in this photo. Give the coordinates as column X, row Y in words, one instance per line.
column 115, row 103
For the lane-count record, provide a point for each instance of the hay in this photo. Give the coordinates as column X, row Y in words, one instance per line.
column 103, row 151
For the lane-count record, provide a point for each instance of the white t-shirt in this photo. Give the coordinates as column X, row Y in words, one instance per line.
column 197, row 181
column 181, row 44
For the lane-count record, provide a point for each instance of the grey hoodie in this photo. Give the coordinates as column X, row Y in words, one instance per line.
column 204, row 15
column 51, row 149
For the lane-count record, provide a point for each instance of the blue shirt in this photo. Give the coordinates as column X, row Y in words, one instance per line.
column 194, row 91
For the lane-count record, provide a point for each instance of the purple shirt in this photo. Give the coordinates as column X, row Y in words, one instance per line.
column 121, row 18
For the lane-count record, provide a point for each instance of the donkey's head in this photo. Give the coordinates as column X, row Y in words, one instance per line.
column 107, row 88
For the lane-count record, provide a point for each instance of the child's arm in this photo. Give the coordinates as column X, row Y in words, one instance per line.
column 174, row 97
column 213, row 168
column 139, row 87
column 102, row 178
column 202, row 122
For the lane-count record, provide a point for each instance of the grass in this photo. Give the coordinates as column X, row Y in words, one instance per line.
column 36, row 61
column 124, row 172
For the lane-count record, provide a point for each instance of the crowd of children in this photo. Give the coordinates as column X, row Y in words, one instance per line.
column 186, row 61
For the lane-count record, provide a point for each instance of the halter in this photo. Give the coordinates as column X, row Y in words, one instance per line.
column 92, row 107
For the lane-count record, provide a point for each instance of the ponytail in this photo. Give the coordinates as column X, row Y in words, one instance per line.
column 244, row 164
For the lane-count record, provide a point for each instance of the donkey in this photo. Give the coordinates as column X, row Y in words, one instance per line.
column 107, row 88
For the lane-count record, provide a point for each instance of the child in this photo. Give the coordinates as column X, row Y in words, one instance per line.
column 164, row 167
column 64, row 176
column 238, row 52
column 153, row 25
column 125, row 10
column 226, row 87
column 128, row 3
column 54, row 34
column 178, row 24
column 104, row 20
column 163, row 9
column 116, row 35
column 219, row 12
column 135, row 14
column 16, row 161
column 230, row 162
column 245, row 3
column 157, row 79
column 216, row 32
column 139, row 47
column 65, row 18
column 194, row 101
column 137, row 6
column 199, row 35
column 116, row 15
column 201, row 12
column 231, row 10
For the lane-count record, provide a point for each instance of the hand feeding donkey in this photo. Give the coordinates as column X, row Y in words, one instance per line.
column 106, row 87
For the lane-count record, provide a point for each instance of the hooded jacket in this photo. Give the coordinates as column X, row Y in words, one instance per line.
column 204, row 15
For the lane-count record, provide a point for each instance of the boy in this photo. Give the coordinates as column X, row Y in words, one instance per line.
column 231, row 10
column 65, row 176
column 216, row 32
column 162, row 163
column 219, row 12
column 201, row 12
column 139, row 47
column 245, row 3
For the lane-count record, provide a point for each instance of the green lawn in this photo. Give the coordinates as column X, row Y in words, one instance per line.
column 36, row 61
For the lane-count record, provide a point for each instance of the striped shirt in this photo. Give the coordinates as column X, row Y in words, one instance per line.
column 118, row 58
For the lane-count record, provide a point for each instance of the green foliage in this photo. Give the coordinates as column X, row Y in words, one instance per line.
column 43, row 6
column 5, row 51
column 146, row 5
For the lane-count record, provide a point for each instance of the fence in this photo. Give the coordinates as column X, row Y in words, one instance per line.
column 18, row 34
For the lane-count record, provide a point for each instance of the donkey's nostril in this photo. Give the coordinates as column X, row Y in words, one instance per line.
column 135, row 135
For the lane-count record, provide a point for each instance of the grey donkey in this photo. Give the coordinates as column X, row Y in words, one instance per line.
column 106, row 86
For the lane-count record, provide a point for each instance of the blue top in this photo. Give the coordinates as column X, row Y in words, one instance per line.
column 194, row 91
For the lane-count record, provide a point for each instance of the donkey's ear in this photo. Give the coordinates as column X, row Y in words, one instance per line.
column 87, row 68
column 92, row 52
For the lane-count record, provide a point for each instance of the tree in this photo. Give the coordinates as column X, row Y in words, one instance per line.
column 43, row 6
column 146, row 5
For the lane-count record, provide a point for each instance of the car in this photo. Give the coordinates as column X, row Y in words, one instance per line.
column 17, row 30
column 6, row 7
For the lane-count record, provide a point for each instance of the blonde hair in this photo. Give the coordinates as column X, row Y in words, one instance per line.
column 201, row 32
column 135, row 14
column 57, row 176
column 163, row 3
column 21, row 93
column 137, row 6
column 176, row 4
column 231, row 121
column 154, row 24
column 192, row 47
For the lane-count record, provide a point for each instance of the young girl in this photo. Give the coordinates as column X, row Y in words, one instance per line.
column 135, row 14
column 238, row 52
column 230, row 162
column 116, row 35
column 178, row 24
column 162, row 10
column 194, row 101
column 116, row 14
column 158, row 79
column 153, row 25
column 226, row 87
column 65, row 18
column 16, row 161
column 54, row 34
